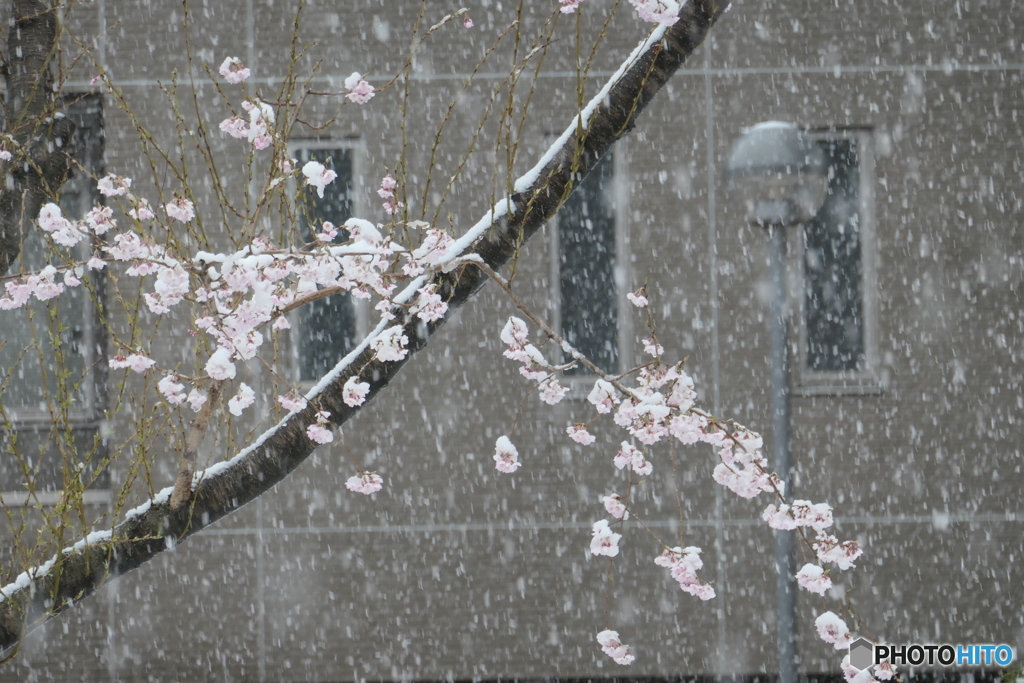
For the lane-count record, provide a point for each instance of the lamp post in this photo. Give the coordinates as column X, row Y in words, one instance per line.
column 781, row 177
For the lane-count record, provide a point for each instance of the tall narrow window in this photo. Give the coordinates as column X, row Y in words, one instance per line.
column 586, row 269
column 837, row 307
column 327, row 327
column 50, row 349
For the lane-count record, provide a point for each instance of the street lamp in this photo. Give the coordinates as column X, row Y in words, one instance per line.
column 780, row 175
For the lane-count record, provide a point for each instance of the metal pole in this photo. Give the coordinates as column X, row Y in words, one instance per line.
column 780, row 453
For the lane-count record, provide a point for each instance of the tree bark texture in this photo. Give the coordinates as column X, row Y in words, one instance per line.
column 41, row 163
column 279, row 451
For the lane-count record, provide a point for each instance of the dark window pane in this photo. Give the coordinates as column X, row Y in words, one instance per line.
column 327, row 326
column 834, row 302
column 586, row 240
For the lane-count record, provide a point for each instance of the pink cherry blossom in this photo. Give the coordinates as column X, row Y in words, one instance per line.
column 139, row 363
column 354, row 392
column 515, row 333
column 569, row 6
column 113, row 186
column 885, row 671
column 196, row 399
column 818, row 517
column 318, row 176
column 180, row 209
column 234, row 71
column 638, row 299
column 7, row 156
column 579, row 434
column 241, row 400
column 359, row 91
column 390, row 345
column 682, row 396
column 467, row 23
column 531, row 374
column 603, row 396
column 624, row 457
column 236, row 127
column 63, row 231
column 51, row 219
column 813, row 578
column 779, row 517
column 292, row 403
column 135, row 361
column 615, row 507
column 261, row 118
column 664, row 12
column 605, row 541
column 683, row 564
column 387, row 187
column 506, row 456
column 392, row 206
column 18, row 294
column 829, row 549
column 43, row 285
column 171, row 390
column 320, row 434
column 652, row 347
column 101, row 219
column 434, row 248
column 95, row 264
column 833, row 630
column 143, row 212
column 219, row 366
column 630, row 456
column 366, row 484
column 429, row 307
column 327, row 233
column 551, row 392
column 609, row 640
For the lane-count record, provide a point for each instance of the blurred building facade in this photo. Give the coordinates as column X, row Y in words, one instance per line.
column 905, row 326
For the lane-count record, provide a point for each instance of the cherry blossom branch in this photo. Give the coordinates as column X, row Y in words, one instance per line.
column 39, row 595
column 547, row 329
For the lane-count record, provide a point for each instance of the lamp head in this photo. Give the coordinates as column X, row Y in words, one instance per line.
column 779, row 173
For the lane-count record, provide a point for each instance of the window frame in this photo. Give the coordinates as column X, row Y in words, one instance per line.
column 867, row 380
column 360, row 307
column 580, row 385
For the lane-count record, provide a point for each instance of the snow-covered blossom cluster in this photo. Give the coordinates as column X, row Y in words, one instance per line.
column 258, row 130
column 534, row 366
column 318, row 176
column 613, row 647
column 354, row 392
column 683, row 564
column 359, row 91
column 604, row 541
column 234, row 71
column 320, row 431
column 366, row 483
column 506, row 456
